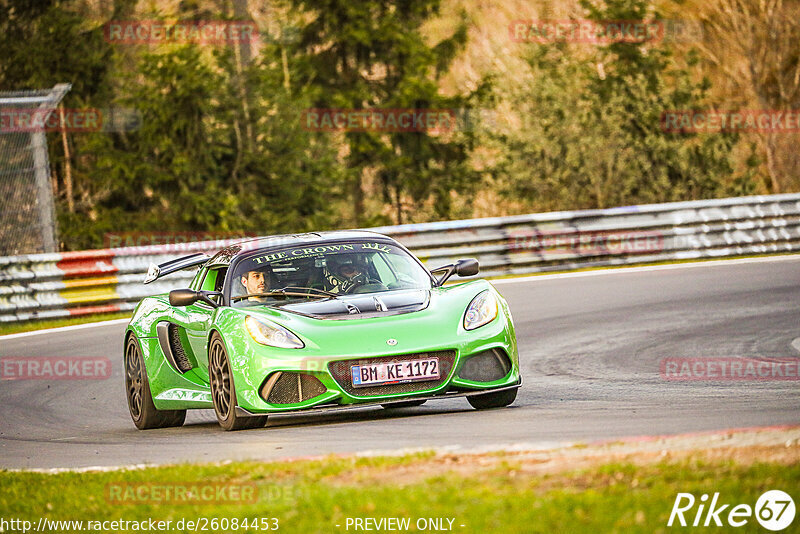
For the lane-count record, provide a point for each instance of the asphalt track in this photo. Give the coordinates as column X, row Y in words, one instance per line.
column 590, row 350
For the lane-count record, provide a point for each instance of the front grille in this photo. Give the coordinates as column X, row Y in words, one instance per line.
column 291, row 388
column 485, row 366
column 181, row 360
column 340, row 370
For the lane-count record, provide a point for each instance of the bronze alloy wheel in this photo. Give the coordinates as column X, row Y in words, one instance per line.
column 223, row 391
column 133, row 379
column 220, row 379
column 137, row 390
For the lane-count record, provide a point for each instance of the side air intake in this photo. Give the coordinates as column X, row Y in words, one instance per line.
column 169, row 337
column 181, row 361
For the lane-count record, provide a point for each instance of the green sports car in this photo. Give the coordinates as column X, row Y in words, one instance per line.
column 318, row 321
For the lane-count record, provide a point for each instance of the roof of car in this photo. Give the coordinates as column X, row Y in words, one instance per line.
column 310, row 238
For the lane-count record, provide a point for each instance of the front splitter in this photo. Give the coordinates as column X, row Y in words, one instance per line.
column 343, row 407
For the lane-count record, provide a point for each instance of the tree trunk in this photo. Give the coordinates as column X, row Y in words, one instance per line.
column 771, row 163
column 358, row 198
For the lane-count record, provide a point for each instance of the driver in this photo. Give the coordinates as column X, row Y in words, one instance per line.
column 350, row 274
column 255, row 282
column 349, row 270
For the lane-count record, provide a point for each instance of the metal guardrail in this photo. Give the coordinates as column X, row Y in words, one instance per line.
column 102, row 281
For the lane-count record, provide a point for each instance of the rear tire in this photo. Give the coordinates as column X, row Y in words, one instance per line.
column 498, row 399
column 223, row 391
column 137, row 389
column 407, row 404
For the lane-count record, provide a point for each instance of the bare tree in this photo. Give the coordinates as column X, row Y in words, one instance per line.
column 756, row 44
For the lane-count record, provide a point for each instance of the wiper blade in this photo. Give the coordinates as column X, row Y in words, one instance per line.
column 280, row 293
column 316, row 290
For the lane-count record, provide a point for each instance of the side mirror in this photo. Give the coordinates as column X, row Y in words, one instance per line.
column 186, row 297
column 465, row 267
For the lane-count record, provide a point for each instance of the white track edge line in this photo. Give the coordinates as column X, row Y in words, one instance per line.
column 64, row 328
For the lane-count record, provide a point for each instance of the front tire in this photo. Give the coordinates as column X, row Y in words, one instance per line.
column 498, row 399
column 137, row 389
column 223, row 391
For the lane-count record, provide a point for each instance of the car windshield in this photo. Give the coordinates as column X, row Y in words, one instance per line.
column 324, row 271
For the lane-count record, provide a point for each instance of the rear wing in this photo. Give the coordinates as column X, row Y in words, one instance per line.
column 154, row 272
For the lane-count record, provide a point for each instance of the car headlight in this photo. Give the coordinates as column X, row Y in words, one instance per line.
column 272, row 334
column 482, row 310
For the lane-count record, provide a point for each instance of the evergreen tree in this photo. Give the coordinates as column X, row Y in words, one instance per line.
column 367, row 55
column 592, row 135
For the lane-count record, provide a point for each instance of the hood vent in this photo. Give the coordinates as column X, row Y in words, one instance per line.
column 363, row 306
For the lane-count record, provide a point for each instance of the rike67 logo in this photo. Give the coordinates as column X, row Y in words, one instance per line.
column 774, row 510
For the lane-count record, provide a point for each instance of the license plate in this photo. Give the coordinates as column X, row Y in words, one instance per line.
column 394, row 372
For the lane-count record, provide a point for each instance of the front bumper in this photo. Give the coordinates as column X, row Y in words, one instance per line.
column 332, row 347
column 342, row 407
column 334, row 388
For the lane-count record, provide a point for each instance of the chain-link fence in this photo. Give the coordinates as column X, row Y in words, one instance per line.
column 27, row 214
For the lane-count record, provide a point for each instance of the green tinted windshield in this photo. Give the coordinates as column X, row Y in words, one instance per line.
column 337, row 268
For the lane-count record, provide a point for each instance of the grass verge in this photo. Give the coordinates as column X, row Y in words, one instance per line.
column 494, row 492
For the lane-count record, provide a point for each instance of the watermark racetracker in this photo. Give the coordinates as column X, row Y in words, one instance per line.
column 55, row 368
column 729, row 368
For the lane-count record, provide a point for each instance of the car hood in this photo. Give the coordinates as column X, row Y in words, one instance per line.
column 436, row 325
column 363, row 306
